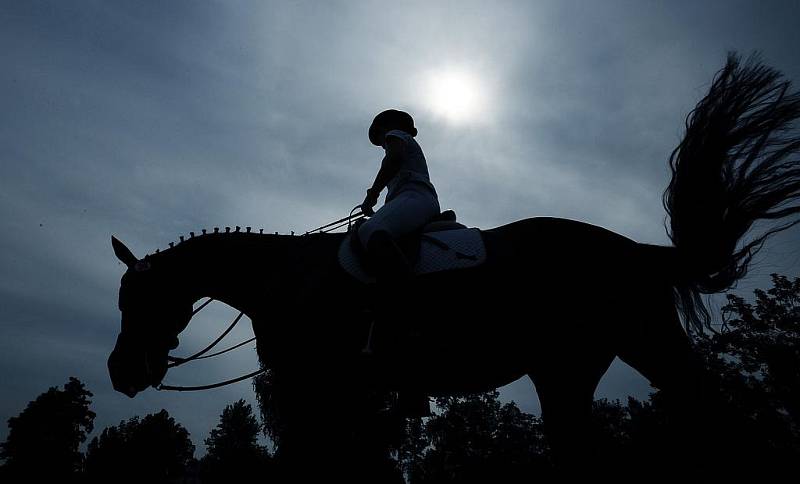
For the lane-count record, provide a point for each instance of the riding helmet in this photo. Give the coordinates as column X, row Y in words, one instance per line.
column 389, row 120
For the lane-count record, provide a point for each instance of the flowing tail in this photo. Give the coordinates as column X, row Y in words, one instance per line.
column 737, row 163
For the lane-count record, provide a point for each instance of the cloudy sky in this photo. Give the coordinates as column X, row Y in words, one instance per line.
column 148, row 120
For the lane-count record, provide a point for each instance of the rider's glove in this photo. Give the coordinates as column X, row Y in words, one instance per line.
column 369, row 201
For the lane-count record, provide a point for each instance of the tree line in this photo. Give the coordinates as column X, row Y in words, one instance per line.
column 44, row 439
column 754, row 353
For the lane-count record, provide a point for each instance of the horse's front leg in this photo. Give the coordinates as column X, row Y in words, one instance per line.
column 331, row 421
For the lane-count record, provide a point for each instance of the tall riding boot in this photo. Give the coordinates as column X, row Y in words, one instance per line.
column 392, row 272
column 387, row 260
column 393, row 276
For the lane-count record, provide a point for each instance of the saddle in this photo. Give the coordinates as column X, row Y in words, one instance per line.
column 441, row 244
column 410, row 244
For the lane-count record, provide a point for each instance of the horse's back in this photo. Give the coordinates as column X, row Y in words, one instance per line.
column 557, row 242
column 554, row 227
column 565, row 265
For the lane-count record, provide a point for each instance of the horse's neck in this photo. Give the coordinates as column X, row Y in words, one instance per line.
column 242, row 269
column 232, row 268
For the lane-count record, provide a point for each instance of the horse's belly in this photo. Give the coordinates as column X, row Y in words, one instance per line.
column 448, row 378
column 465, row 361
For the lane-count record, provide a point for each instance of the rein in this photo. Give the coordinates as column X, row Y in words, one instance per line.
column 177, row 361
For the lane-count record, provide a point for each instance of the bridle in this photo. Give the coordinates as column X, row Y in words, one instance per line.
column 177, row 361
column 200, row 355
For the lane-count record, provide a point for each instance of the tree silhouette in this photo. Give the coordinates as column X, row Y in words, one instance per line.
column 346, row 435
column 475, row 438
column 411, row 450
column 631, row 438
column 153, row 449
column 755, row 360
column 44, row 440
column 271, row 418
column 756, row 352
column 233, row 449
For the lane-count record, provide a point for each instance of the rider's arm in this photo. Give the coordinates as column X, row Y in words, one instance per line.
column 390, row 164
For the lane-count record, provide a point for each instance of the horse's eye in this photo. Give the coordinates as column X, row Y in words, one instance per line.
column 141, row 266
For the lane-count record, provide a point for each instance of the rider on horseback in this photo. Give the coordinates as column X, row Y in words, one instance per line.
column 411, row 200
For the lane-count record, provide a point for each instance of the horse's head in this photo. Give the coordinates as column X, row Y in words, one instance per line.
column 154, row 312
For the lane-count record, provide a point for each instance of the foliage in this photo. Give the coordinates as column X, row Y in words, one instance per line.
column 273, row 425
column 756, row 354
column 411, row 449
column 153, row 449
column 44, row 440
column 475, row 438
column 329, row 428
column 233, row 448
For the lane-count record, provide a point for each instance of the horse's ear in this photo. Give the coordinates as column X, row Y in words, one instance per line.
column 123, row 253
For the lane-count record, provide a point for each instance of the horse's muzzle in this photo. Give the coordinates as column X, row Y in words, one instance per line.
column 129, row 370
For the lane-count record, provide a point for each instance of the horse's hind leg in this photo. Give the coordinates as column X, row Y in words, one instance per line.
column 566, row 393
column 658, row 347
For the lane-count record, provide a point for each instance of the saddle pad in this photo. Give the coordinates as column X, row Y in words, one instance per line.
column 450, row 249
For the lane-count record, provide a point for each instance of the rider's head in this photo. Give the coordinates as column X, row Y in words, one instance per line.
column 387, row 121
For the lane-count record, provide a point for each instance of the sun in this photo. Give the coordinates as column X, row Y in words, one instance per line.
column 455, row 95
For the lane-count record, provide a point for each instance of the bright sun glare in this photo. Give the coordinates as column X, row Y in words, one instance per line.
column 455, row 95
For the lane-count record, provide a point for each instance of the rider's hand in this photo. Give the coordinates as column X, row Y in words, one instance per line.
column 369, row 201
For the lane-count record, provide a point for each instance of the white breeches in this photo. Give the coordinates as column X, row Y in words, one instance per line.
column 408, row 211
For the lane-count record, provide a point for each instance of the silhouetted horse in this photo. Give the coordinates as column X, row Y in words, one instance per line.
column 556, row 299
